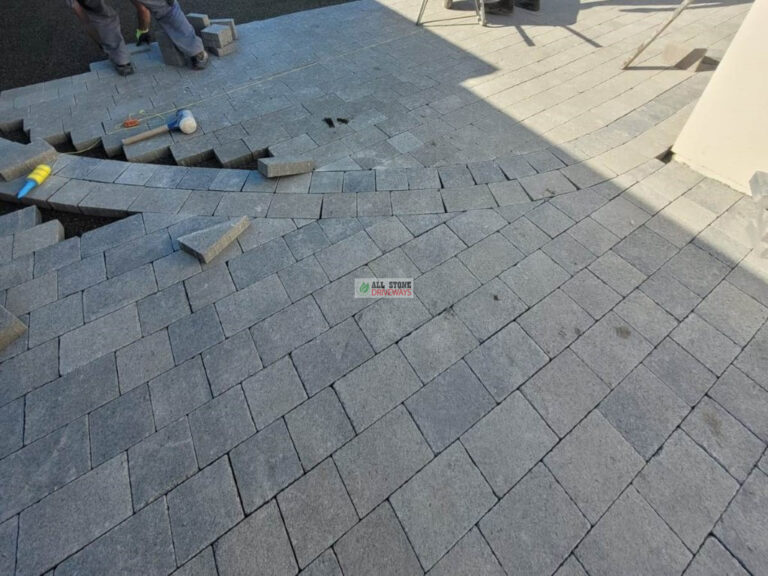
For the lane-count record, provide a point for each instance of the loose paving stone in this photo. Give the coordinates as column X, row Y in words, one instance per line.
column 555, row 322
column 525, row 235
column 506, row 360
column 377, row 545
column 28, row 370
column 142, row 544
column 203, row 508
column 438, row 505
column 231, row 362
column 446, row 407
column 119, row 424
column 471, row 555
column 259, row 544
column 743, row 524
column 43, row 467
column 437, row 345
column 591, row 293
column 489, row 308
column 747, row 401
column 594, row 464
column 273, row 392
column 143, row 360
column 611, row 348
column 644, row 410
column 70, row 396
column 331, row 355
column 11, row 427
column 163, row 308
column 284, row 166
column 66, row 521
column 288, row 329
column 179, row 391
column 209, row 286
column 220, row 425
column 160, row 462
column 536, row 510
column 617, row 273
column 316, row 511
column 381, row 459
column 444, row 285
column 433, row 248
column 206, row 244
column 195, row 333
column 264, row 465
column 534, row 277
column 713, row 559
column 645, row 250
column 704, row 342
column 373, row 388
column 318, row 427
column 632, row 539
column 687, row 488
column 722, row 436
column 670, row 295
column 643, row 314
column 564, row 391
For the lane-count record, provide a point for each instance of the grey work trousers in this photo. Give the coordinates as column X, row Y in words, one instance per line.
column 171, row 19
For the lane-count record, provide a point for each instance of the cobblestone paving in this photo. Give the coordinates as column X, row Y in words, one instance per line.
column 578, row 387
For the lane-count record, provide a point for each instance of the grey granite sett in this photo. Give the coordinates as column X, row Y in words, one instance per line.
column 119, row 424
column 645, row 250
column 644, row 410
column 374, row 204
column 508, row 193
column 419, row 201
column 11, row 427
column 28, row 370
column 303, row 278
column 160, row 462
column 444, row 285
column 359, row 181
column 306, row 240
column 142, row 543
column 592, row 294
column 114, row 234
column 203, row 508
column 326, row 182
column 259, row 263
column 745, row 399
column 264, row 465
column 471, row 555
column 704, row 342
column 37, row 238
column 490, row 257
column 16, row 272
column 696, row 270
column 617, row 273
column 489, row 308
column 534, row 277
column 231, row 361
column 324, row 565
column 288, row 329
column 42, row 467
column 348, row 254
column 555, row 322
column 538, row 511
column 474, row 225
column 687, row 377
column 456, row 176
column 194, row 333
column 391, row 179
column 648, row 318
column 162, row 308
column 742, row 526
column 273, row 392
column 670, row 294
column 262, row 230
column 525, row 235
column 8, row 533
column 546, row 185
column 296, row 184
column 733, row 313
column 55, row 319
column 57, row 256
column 568, row 253
column 318, row 427
column 65, row 521
column 317, row 511
column 515, row 167
column 687, row 488
column 31, row 295
column 295, row 206
column 209, row 286
column 381, row 459
column 377, row 545
column 219, row 425
column 468, row 198
column 179, row 392
column 117, row 292
column 389, row 233
column 257, row 545
column 388, row 320
column 632, row 539
column 423, row 178
column 250, row 305
column 713, row 559
column 98, row 338
column 441, row 503
column 620, row 217
column 564, row 391
column 433, row 248
column 339, row 206
column 506, row 360
column 594, row 464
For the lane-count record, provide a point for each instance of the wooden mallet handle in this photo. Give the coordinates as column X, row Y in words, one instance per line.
column 144, row 135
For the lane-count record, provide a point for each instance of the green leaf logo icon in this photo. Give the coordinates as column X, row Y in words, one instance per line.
column 364, row 287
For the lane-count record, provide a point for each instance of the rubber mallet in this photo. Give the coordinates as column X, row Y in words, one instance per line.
column 183, row 121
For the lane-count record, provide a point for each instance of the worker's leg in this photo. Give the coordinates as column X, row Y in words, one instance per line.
column 107, row 24
column 174, row 23
column 83, row 17
column 143, row 21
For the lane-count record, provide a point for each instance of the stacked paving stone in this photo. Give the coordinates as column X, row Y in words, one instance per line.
column 19, row 159
column 218, row 35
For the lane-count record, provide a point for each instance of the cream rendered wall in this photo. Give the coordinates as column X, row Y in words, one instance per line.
column 726, row 136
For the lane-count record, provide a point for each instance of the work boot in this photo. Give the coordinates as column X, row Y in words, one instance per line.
column 125, row 69
column 144, row 37
column 200, row 61
column 500, row 7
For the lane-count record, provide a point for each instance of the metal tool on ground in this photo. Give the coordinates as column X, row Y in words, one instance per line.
column 479, row 10
column 36, row 177
column 184, row 122
column 640, row 49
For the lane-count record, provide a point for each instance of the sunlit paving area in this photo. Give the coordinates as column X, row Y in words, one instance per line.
column 443, row 299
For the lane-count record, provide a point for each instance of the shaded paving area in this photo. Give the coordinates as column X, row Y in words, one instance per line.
column 578, row 386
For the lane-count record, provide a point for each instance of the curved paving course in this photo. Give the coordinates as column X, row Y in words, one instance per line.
column 577, row 387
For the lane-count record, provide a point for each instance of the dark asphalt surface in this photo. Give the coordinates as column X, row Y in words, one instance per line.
column 43, row 40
